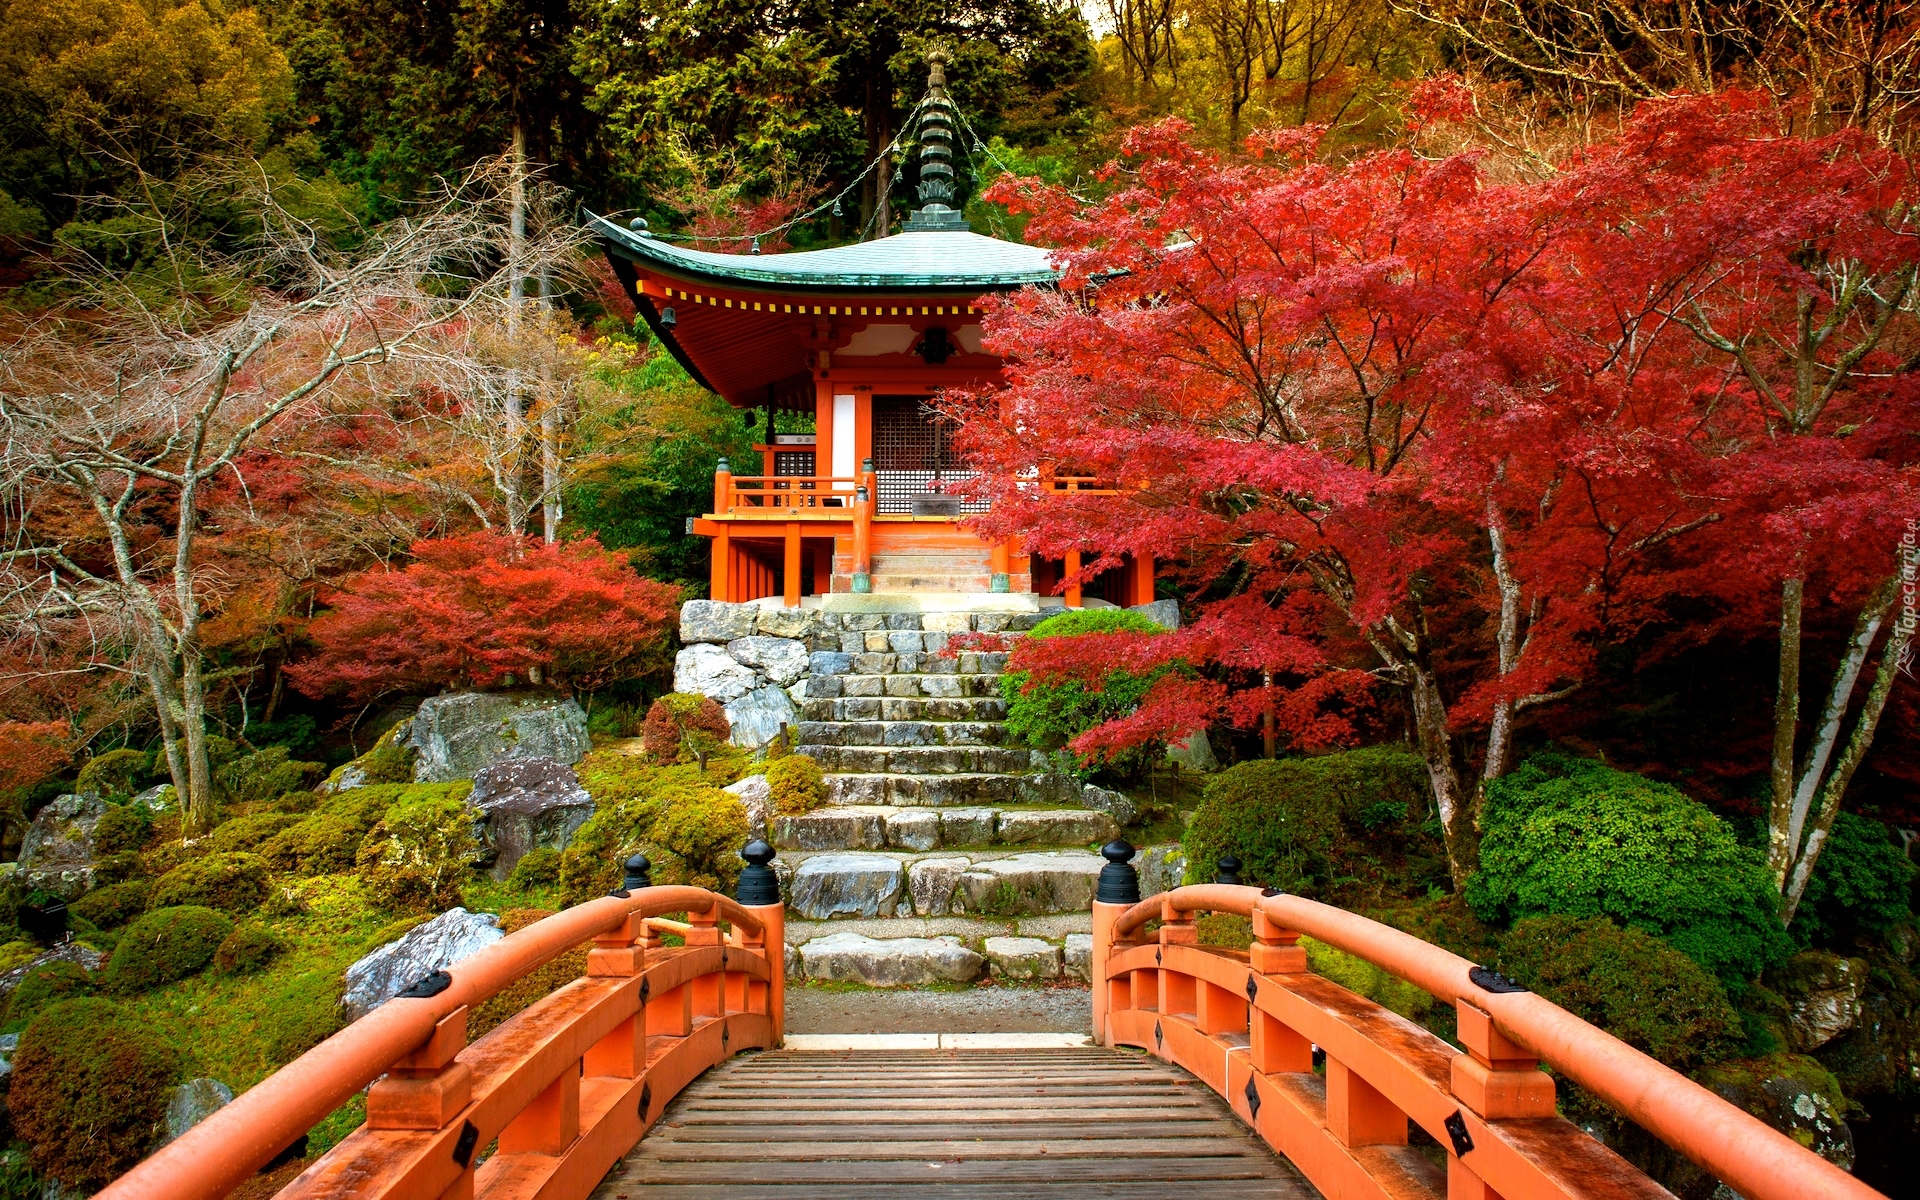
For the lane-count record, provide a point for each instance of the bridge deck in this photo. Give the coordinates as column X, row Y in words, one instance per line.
column 791, row 1125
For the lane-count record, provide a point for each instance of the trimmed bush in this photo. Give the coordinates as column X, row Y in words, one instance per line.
column 108, row 907
column 657, row 811
column 326, row 840
column 703, row 829
column 90, row 1088
column 247, row 949
column 684, row 728
column 123, row 829
column 420, row 854
column 796, row 785
column 47, row 984
column 234, row 883
column 265, row 774
column 165, row 945
column 115, row 773
column 1627, row 982
column 1047, row 716
column 1862, row 883
column 1571, row 836
column 538, row 867
column 247, row 833
column 1309, row 825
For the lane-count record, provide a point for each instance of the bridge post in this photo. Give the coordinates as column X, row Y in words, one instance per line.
column 1118, row 890
column 759, row 893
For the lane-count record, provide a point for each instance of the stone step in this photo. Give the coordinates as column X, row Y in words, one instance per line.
column 868, row 827
column 988, row 663
column 903, row 708
column 926, row 791
column 868, row 884
column 906, row 686
column 942, row 622
column 847, row 957
column 903, row 733
column 924, row 760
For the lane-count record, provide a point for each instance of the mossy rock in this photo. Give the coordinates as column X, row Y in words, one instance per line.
column 113, row 906
column 538, row 867
column 165, row 945
column 265, row 774
column 89, row 1090
column 47, row 984
column 114, row 773
column 233, row 883
column 123, row 829
column 248, row 832
column 247, row 949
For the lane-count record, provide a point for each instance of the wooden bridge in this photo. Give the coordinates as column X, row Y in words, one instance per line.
column 1248, row 1076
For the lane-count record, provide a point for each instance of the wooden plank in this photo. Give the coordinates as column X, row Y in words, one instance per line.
column 1264, row 1189
column 952, row 1131
column 908, row 1175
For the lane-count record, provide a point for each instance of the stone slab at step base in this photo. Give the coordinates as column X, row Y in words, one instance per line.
column 834, row 884
column 908, row 962
column 871, row 827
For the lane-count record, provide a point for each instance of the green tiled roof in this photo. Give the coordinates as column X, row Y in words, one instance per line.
column 956, row 260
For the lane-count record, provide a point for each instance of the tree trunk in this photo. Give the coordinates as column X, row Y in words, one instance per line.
column 1436, row 747
column 1786, row 719
column 877, row 219
column 516, row 294
column 550, row 511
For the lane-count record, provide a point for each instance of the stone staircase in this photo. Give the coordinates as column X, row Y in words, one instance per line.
column 944, row 852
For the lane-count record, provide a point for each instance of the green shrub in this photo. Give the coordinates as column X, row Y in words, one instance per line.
column 47, row 984
column 1627, row 982
column 234, row 883
column 299, row 733
column 1572, row 836
column 1363, row 978
column 1308, row 824
column 420, row 853
column 796, row 785
column 247, row 949
column 684, row 728
column 247, row 833
column 115, row 905
column 1047, row 716
column 265, row 774
column 538, row 867
column 326, row 840
column 1863, row 882
column 123, row 829
column 89, row 1092
column 165, row 945
column 115, row 773
column 657, row 811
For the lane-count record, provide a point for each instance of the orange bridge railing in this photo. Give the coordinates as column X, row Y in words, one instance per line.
column 559, row 1092
column 1248, row 1023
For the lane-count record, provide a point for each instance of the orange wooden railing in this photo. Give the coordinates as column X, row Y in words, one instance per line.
column 1248, row 1023
column 827, row 495
column 567, row 1086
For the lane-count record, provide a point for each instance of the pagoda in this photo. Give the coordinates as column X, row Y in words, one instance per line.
column 863, row 337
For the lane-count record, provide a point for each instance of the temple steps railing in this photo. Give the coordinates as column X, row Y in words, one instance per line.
column 1249, row 1023
column 557, row 1093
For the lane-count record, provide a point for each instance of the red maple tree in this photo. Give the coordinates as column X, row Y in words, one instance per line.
column 1390, row 422
column 481, row 608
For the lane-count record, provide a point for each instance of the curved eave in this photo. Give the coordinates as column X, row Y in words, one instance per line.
column 956, row 262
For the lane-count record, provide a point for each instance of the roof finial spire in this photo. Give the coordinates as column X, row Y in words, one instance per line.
column 936, row 154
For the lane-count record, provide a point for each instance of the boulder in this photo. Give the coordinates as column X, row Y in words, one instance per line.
column 916, row 829
column 1027, row 884
column 787, row 622
column 1117, row 805
column 852, row 885
column 455, row 736
column 890, row 962
column 1161, row 868
column 1023, row 958
column 757, row 797
column 528, row 802
column 830, row 829
column 708, row 670
column 78, row 953
column 435, row 945
column 193, row 1102
column 1194, row 754
column 1060, row 827
column 1164, row 613
column 1078, row 958
column 1788, row 1092
column 717, row 621
column 966, row 826
column 931, row 882
column 1823, row 993
column 57, row 853
column 757, row 716
column 779, row 659
column 159, row 797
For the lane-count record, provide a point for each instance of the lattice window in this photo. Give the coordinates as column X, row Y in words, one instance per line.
column 793, row 462
column 912, row 453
